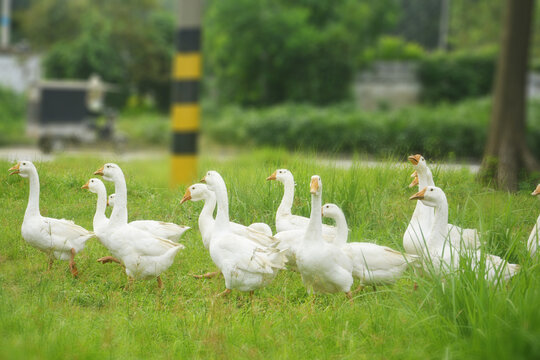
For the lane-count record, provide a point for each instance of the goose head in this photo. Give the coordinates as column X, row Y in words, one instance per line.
column 110, row 200
column 418, row 162
column 430, row 195
column 315, row 186
column 94, row 185
column 281, row 175
column 536, row 191
column 330, row 210
column 23, row 168
column 196, row 192
column 212, row 179
column 109, row 171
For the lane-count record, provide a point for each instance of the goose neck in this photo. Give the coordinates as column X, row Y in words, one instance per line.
column 341, row 227
column 206, row 217
column 32, row 209
column 288, row 196
column 439, row 230
column 222, row 216
column 119, row 213
column 314, row 228
column 101, row 205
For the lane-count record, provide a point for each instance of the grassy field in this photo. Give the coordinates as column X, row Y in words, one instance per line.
column 48, row 314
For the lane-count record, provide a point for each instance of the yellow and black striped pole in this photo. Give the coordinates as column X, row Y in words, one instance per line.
column 185, row 109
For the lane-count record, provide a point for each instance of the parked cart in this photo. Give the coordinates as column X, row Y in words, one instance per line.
column 70, row 112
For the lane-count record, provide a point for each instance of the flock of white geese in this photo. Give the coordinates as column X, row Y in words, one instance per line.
column 249, row 257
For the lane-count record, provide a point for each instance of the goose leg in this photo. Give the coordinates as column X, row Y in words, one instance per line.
column 72, row 265
column 129, row 283
column 159, row 282
column 226, row 292
column 208, row 275
column 359, row 288
column 51, row 261
column 108, row 259
column 348, row 294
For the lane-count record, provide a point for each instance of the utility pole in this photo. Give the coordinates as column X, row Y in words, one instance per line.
column 5, row 22
column 185, row 109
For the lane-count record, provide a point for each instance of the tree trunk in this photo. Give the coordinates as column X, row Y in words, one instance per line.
column 506, row 153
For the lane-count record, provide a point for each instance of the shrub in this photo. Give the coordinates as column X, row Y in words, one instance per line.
column 392, row 48
column 271, row 51
column 442, row 131
column 12, row 113
column 453, row 77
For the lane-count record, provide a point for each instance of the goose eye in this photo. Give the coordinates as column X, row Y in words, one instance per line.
column 430, row 189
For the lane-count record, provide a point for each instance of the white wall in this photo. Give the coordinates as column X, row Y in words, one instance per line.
column 18, row 72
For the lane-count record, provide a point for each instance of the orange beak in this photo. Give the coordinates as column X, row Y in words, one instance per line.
column 414, row 159
column 86, row 186
column 187, row 196
column 99, row 171
column 15, row 169
column 536, row 191
column 272, row 177
column 203, row 180
column 314, row 186
column 414, row 182
column 419, row 195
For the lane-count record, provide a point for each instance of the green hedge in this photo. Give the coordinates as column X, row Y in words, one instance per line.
column 442, row 131
column 458, row 76
column 12, row 117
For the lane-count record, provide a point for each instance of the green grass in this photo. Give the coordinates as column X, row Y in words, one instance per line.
column 47, row 314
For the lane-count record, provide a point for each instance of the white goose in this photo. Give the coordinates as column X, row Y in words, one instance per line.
column 533, row 242
column 442, row 256
column 100, row 220
column 324, row 267
column 372, row 264
column 198, row 192
column 245, row 265
column 59, row 238
column 144, row 255
column 166, row 230
column 285, row 220
column 418, row 230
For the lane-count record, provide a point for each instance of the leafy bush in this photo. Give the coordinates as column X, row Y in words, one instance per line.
column 453, row 77
column 392, row 48
column 270, row 51
column 12, row 113
column 441, row 131
column 130, row 45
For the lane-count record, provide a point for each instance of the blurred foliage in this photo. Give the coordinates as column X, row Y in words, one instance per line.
column 456, row 76
column 128, row 44
column 419, row 22
column 441, row 131
column 12, row 112
column 268, row 51
column 393, row 48
column 478, row 23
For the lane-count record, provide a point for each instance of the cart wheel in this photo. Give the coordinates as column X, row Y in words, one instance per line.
column 45, row 144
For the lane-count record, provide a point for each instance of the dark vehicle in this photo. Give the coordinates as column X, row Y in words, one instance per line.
column 70, row 112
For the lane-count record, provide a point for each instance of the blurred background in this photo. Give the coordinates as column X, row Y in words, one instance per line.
column 371, row 77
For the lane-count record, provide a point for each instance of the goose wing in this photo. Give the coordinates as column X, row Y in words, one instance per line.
column 145, row 243
column 249, row 256
column 64, row 231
